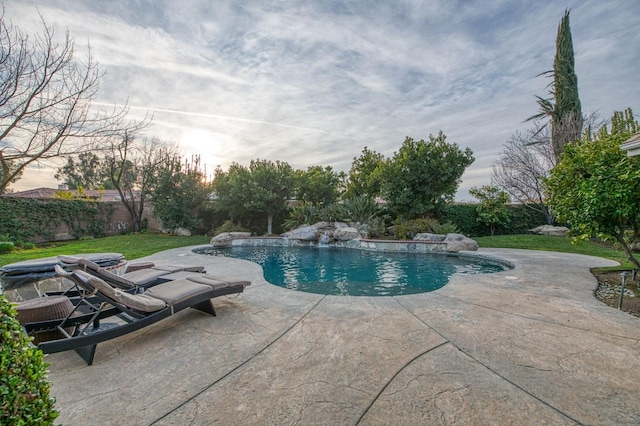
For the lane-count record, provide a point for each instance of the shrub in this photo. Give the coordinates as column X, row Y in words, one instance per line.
column 305, row 213
column 445, row 228
column 6, row 246
column 229, row 226
column 23, row 384
column 408, row 229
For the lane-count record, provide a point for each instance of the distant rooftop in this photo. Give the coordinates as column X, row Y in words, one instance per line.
column 106, row 195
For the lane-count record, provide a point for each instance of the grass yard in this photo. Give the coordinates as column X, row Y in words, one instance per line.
column 132, row 246
column 561, row 244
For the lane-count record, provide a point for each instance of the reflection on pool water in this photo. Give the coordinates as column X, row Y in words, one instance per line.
column 341, row 271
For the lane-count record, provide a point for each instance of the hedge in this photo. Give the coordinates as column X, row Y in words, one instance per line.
column 465, row 217
column 24, row 389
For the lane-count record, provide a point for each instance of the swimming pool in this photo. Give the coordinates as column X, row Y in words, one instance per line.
column 343, row 271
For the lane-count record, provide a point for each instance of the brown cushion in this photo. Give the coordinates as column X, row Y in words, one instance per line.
column 212, row 280
column 208, row 280
column 176, row 268
column 140, row 302
column 173, row 292
column 143, row 276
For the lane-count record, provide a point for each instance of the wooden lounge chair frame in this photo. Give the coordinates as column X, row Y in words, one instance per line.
column 92, row 305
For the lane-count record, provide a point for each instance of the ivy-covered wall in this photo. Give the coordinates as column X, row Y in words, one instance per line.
column 41, row 220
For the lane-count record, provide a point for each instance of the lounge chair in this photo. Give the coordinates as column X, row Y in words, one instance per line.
column 96, row 300
column 133, row 281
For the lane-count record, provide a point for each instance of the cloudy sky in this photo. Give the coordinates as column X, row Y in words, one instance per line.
column 313, row 82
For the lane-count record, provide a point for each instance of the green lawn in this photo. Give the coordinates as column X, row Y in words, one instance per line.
column 561, row 244
column 132, row 246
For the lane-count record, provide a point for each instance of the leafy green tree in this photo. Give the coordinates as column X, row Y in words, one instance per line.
column 230, row 191
column 491, row 209
column 179, row 192
column 318, row 185
column 564, row 108
column 364, row 177
column 85, row 171
column 271, row 185
column 595, row 186
column 423, row 175
column 263, row 187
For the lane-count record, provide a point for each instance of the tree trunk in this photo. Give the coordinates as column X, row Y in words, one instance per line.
column 269, row 223
column 627, row 250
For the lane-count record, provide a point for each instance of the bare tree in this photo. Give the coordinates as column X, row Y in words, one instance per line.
column 45, row 102
column 132, row 167
column 527, row 158
column 523, row 165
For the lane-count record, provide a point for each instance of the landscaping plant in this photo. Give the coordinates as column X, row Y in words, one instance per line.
column 24, row 389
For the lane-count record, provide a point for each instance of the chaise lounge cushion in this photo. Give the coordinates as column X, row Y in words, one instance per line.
column 173, row 292
column 217, row 282
column 139, row 302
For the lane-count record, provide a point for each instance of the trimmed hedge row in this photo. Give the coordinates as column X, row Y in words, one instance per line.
column 465, row 217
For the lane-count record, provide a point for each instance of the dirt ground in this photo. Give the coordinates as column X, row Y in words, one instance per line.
column 609, row 291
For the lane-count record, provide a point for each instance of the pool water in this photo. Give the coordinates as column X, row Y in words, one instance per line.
column 341, row 271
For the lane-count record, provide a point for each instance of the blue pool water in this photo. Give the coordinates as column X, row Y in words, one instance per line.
column 341, row 271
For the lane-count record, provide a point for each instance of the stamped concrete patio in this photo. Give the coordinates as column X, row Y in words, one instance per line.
column 527, row 346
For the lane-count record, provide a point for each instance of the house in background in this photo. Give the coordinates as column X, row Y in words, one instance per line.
column 105, row 195
column 632, row 146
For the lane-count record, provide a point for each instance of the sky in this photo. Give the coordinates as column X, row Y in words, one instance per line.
column 313, row 83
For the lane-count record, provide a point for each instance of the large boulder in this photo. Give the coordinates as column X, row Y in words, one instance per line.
column 346, row 234
column 305, row 233
column 224, row 239
column 556, row 231
column 458, row 242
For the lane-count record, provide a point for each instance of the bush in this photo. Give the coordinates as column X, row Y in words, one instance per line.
column 410, row 228
column 6, row 247
column 23, row 384
column 465, row 217
column 229, row 226
column 303, row 214
column 445, row 228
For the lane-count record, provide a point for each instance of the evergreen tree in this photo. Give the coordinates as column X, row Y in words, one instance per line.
column 563, row 109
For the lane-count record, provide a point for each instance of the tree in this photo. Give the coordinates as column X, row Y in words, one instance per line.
column 132, row 168
column 45, row 102
column 229, row 191
column 423, row 175
column 524, row 163
column 85, row 171
column 318, row 185
column 272, row 184
column 364, row 177
column 179, row 192
column 491, row 209
column 263, row 187
column 595, row 186
column 563, row 109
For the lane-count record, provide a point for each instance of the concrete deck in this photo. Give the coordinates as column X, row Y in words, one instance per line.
column 527, row 346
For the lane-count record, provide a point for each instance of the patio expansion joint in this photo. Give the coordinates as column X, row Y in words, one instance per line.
column 193, row 397
column 449, row 341
column 544, row 321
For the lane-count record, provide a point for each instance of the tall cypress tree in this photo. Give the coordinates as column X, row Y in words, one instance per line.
column 563, row 109
column 567, row 118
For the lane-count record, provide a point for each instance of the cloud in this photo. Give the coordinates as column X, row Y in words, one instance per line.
column 314, row 82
